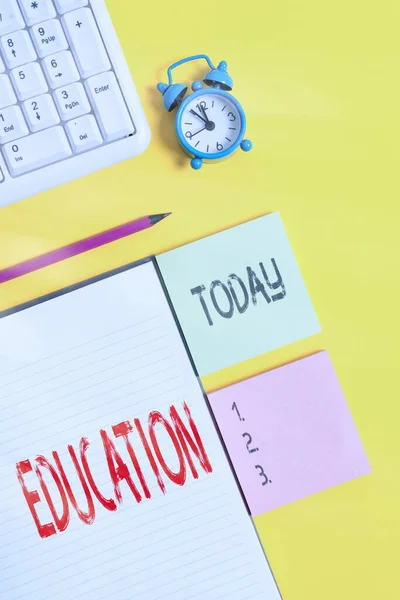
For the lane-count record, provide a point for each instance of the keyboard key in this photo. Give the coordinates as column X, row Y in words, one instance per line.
column 2, row 67
column 10, row 17
column 41, row 112
column 109, row 106
column 7, row 96
column 84, row 133
column 64, row 6
column 12, row 124
column 86, row 43
column 29, row 81
column 49, row 38
column 37, row 150
column 17, row 49
column 72, row 101
column 35, row 12
column 60, row 69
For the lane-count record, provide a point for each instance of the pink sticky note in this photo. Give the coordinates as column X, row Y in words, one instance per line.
column 289, row 433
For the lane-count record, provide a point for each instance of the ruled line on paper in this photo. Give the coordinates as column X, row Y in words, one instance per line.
column 240, row 589
column 144, row 557
column 252, row 597
column 231, row 583
column 110, row 526
column 216, row 519
column 68, row 373
column 204, row 580
column 99, row 383
column 125, row 507
column 96, row 384
column 198, row 526
column 67, row 350
column 107, row 414
column 182, row 565
column 88, row 556
column 79, row 358
column 126, row 407
column 71, row 381
column 230, row 593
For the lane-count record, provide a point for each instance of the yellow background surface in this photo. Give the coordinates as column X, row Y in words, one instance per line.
column 320, row 86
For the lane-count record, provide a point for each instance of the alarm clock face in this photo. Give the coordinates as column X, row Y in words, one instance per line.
column 211, row 123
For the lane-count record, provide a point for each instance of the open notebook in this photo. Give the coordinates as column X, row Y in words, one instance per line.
column 113, row 479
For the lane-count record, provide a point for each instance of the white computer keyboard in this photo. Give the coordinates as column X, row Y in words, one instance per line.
column 68, row 105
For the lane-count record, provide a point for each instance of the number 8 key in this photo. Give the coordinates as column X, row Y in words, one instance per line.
column 17, row 49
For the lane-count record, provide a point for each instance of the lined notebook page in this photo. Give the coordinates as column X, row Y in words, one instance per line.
column 72, row 369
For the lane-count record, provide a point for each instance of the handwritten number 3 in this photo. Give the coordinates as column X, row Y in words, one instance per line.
column 262, row 474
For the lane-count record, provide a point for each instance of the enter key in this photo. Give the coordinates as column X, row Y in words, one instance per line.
column 109, row 107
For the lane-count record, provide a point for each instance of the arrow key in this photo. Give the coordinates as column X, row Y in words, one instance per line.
column 41, row 112
column 60, row 69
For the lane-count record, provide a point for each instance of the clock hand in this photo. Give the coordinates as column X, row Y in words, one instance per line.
column 209, row 125
column 197, row 132
column 197, row 115
column 204, row 113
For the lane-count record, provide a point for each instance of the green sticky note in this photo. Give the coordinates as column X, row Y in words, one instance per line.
column 238, row 293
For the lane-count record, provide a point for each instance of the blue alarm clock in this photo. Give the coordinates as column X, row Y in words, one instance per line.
column 210, row 123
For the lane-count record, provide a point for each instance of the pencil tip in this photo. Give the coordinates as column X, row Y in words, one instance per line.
column 157, row 218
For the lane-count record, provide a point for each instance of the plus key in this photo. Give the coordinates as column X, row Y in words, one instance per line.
column 86, row 43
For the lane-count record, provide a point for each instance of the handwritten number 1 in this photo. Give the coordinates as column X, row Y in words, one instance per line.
column 234, row 407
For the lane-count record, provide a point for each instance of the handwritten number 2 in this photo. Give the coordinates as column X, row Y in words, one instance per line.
column 250, row 450
column 262, row 474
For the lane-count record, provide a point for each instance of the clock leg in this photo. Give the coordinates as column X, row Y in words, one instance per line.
column 246, row 145
column 196, row 163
